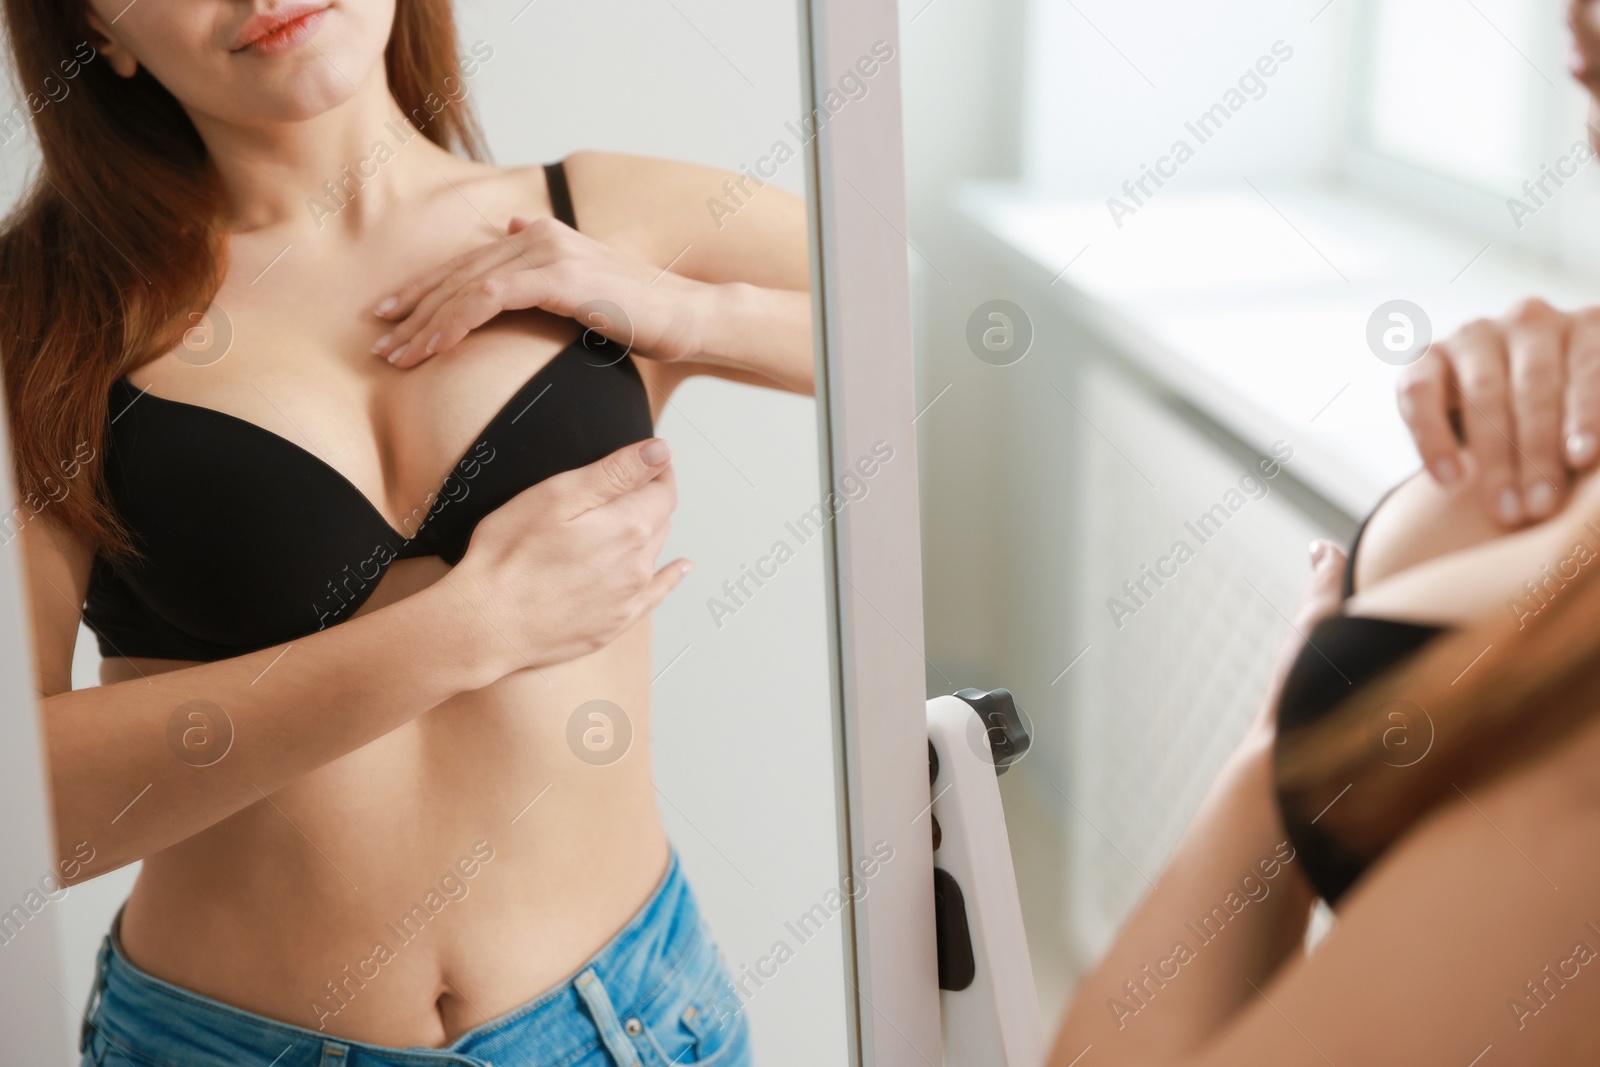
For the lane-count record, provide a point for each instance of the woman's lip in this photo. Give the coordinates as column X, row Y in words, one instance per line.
column 286, row 35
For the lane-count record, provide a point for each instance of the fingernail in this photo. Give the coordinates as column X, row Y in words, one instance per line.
column 655, row 452
column 377, row 346
column 1510, row 505
column 1541, row 499
column 433, row 343
column 688, row 567
column 1318, row 549
column 1580, row 446
column 387, row 305
column 1447, row 471
column 397, row 353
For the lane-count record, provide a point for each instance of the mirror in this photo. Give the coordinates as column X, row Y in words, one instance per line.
column 433, row 847
column 1168, row 264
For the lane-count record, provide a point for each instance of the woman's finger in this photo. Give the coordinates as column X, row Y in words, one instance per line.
column 406, row 333
column 1323, row 592
column 665, row 581
column 1583, row 17
column 400, row 303
column 413, row 297
column 1319, row 600
column 1581, row 422
column 1424, row 394
column 471, row 307
column 1536, row 340
column 1478, row 355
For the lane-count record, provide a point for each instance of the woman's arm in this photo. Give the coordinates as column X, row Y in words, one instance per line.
column 744, row 238
column 753, row 335
column 1230, row 907
column 1479, row 930
column 1228, row 910
column 1474, row 939
column 116, row 782
column 709, row 269
column 555, row 573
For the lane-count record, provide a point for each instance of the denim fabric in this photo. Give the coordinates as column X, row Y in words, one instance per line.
column 657, row 995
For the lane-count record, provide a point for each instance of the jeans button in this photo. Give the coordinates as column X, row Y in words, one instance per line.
column 634, row 1027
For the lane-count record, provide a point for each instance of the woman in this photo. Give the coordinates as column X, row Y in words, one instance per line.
column 364, row 613
column 1463, row 867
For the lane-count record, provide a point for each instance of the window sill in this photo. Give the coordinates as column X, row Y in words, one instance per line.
column 1254, row 307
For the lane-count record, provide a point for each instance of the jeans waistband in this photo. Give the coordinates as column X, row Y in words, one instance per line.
column 572, row 1018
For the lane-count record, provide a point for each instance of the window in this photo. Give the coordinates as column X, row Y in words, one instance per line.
column 1448, row 87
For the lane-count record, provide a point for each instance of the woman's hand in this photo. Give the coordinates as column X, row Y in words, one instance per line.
column 564, row 567
column 1583, row 19
column 547, row 264
column 1319, row 600
column 1527, row 387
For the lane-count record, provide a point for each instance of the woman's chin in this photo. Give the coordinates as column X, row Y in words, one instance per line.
column 291, row 89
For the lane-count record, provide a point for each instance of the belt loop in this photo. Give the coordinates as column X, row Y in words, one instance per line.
column 96, row 990
column 101, row 962
column 334, row 1054
column 594, row 994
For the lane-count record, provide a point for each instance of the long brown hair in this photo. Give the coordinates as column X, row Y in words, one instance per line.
column 116, row 244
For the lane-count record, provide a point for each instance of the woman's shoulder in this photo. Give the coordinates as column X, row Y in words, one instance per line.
column 667, row 210
column 678, row 201
column 616, row 186
column 654, row 179
column 616, row 196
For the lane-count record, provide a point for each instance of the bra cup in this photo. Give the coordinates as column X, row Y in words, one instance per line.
column 1341, row 653
column 242, row 541
column 582, row 410
column 249, row 540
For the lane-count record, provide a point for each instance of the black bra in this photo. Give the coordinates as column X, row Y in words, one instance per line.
column 249, row 540
column 1341, row 653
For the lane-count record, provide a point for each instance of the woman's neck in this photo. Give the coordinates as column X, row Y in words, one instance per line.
column 343, row 168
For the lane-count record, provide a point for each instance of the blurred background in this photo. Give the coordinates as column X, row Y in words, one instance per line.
column 1192, row 213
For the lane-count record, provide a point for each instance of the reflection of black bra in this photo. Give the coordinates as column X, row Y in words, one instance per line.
column 1340, row 654
column 249, row 540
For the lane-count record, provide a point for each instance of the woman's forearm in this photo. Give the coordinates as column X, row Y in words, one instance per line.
column 125, row 759
column 1229, row 909
column 761, row 331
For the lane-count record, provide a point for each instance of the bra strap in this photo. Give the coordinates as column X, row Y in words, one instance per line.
column 555, row 176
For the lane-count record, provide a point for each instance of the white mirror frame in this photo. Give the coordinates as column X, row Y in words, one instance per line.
column 857, row 205
column 36, row 1022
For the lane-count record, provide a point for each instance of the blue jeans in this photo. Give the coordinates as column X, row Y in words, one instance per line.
column 657, row 995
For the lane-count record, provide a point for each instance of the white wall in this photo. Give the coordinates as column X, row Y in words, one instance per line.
column 743, row 742
column 1110, row 85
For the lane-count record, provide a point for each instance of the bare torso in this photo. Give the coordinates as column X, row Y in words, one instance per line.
column 282, row 906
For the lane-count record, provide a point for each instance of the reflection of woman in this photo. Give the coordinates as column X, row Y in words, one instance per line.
column 374, row 629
